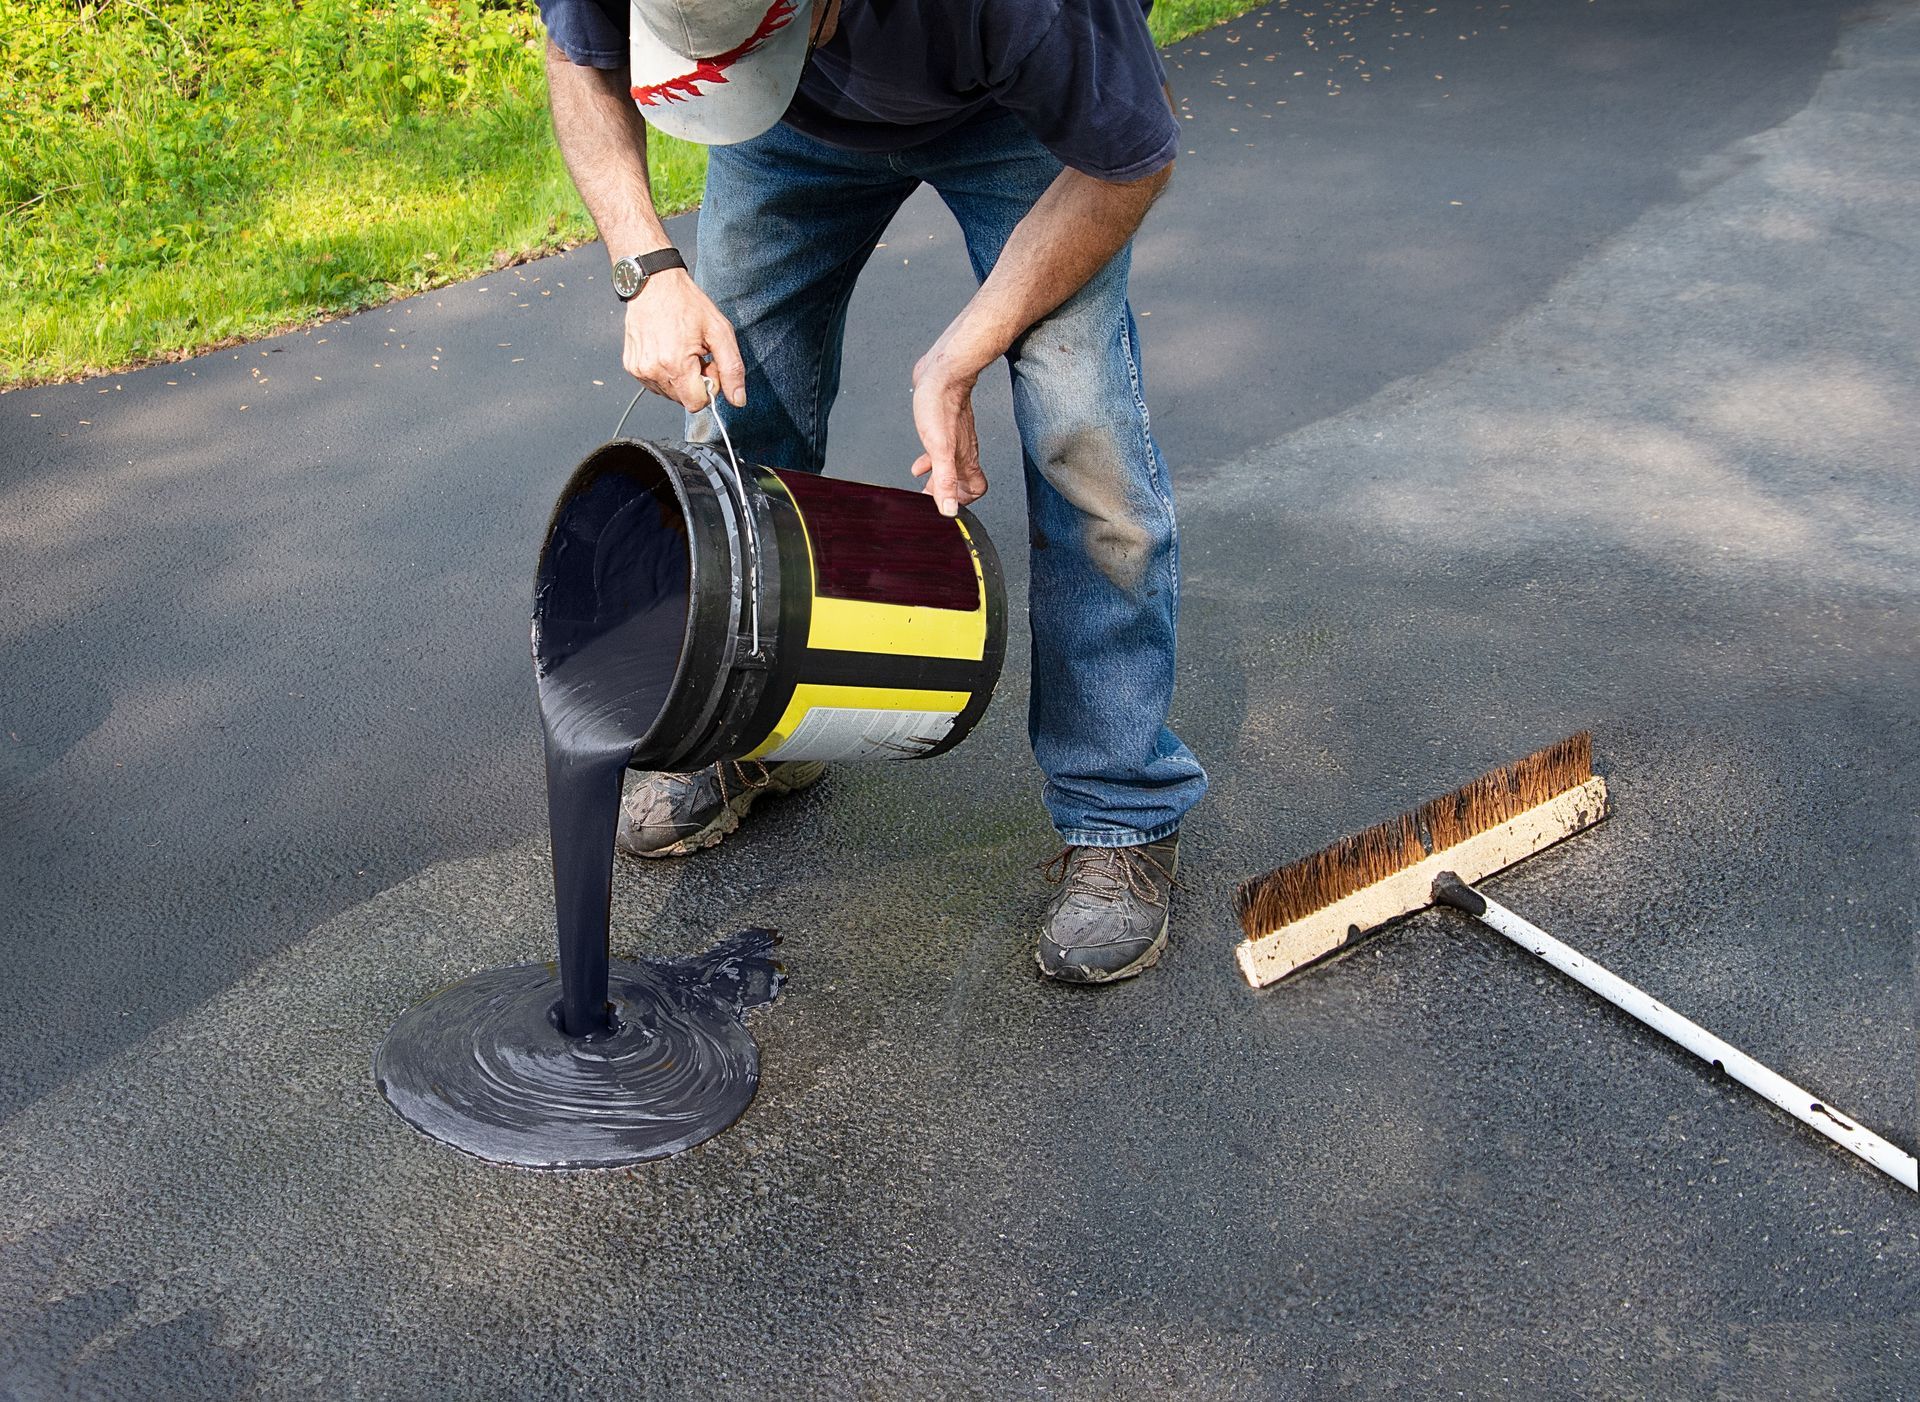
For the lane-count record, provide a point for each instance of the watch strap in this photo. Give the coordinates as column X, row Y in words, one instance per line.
column 660, row 260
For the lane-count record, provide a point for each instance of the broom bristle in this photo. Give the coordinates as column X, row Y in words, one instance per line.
column 1283, row 896
column 1353, row 863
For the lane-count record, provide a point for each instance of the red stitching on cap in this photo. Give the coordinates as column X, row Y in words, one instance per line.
column 714, row 70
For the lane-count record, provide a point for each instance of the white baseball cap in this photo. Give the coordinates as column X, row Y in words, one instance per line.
column 716, row 71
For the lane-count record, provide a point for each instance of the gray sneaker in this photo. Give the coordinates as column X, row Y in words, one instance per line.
column 670, row 815
column 1108, row 920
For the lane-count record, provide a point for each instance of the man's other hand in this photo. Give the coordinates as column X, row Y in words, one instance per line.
column 943, row 414
column 673, row 332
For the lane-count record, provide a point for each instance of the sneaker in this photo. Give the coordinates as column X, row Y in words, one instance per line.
column 670, row 815
column 1108, row 920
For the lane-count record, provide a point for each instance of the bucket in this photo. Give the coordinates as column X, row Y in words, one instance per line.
column 697, row 610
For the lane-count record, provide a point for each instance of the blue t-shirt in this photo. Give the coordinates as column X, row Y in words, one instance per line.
column 1082, row 75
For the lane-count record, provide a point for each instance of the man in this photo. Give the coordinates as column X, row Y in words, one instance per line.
column 1045, row 127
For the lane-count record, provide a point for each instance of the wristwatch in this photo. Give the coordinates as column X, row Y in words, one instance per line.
column 631, row 274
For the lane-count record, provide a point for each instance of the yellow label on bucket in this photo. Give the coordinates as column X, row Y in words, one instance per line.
column 850, row 625
column 861, row 722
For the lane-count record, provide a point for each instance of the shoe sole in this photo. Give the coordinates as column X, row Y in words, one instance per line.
column 728, row 818
column 1078, row 973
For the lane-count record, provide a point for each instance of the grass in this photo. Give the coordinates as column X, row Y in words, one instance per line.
column 1173, row 20
column 178, row 174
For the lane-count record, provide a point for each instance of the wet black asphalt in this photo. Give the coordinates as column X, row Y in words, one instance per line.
column 1556, row 374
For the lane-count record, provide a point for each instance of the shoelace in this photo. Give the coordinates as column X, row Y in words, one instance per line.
column 1107, row 872
column 745, row 781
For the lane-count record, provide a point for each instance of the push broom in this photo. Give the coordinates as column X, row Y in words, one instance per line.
column 1433, row 855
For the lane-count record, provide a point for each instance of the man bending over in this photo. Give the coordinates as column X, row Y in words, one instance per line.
column 1044, row 126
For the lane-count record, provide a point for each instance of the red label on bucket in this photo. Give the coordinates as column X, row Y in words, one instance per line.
column 881, row 545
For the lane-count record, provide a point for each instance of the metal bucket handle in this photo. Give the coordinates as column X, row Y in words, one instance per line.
column 741, row 505
column 746, row 518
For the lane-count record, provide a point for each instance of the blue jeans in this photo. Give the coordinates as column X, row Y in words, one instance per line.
column 787, row 225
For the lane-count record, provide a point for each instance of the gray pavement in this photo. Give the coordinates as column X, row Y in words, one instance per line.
column 1622, row 439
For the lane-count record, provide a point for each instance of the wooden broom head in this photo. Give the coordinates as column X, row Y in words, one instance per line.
column 1354, row 863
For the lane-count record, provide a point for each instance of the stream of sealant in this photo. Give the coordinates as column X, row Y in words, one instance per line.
column 589, row 705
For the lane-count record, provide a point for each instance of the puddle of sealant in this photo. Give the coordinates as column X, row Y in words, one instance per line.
column 588, row 1063
column 484, row 1066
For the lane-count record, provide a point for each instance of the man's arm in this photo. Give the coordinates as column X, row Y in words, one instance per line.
column 1069, row 235
column 671, row 326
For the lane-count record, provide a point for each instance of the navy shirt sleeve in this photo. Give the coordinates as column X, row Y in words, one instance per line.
column 588, row 32
column 1090, row 88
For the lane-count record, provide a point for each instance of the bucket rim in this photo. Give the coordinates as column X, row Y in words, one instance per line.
column 617, row 455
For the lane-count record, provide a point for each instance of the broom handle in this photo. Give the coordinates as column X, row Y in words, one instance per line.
column 1884, row 1156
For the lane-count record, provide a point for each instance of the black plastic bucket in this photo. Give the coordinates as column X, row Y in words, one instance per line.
column 700, row 615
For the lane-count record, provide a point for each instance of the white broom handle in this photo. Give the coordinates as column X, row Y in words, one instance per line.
column 1886, row 1157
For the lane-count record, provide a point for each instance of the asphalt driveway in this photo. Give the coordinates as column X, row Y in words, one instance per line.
column 1522, row 368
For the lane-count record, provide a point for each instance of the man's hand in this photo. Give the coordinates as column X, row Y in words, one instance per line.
column 943, row 414
column 673, row 329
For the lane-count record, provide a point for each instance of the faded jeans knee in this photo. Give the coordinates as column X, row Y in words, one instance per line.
column 1085, row 434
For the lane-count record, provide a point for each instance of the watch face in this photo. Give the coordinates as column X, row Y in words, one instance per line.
column 627, row 277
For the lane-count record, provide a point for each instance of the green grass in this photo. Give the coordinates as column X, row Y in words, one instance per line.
column 177, row 174
column 1173, row 20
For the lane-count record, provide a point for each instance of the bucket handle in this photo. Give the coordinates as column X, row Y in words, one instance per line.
column 740, row 501
column 746, row 516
